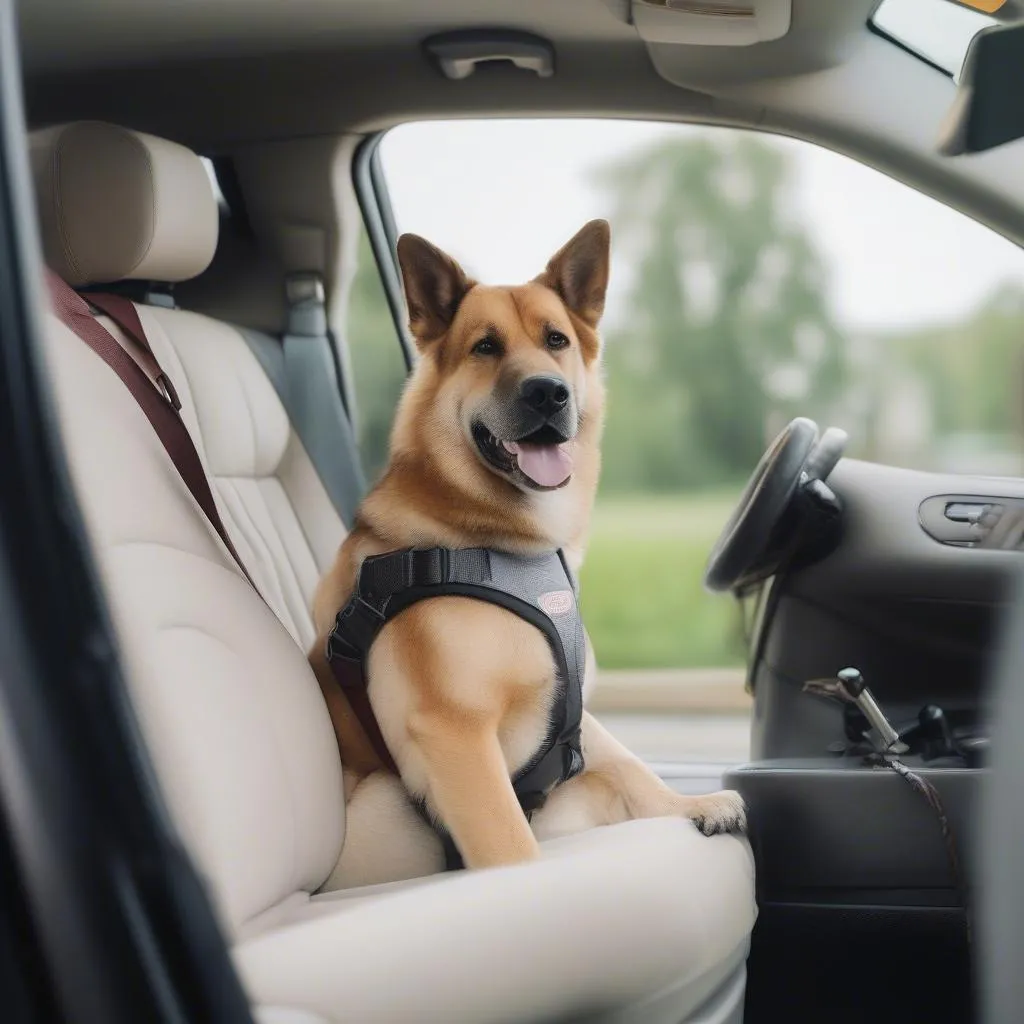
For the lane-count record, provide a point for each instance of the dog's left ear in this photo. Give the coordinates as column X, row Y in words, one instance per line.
column 578, row 272
column 435, row 285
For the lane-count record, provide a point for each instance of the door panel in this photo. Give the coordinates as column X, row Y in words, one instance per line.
column 915, row 615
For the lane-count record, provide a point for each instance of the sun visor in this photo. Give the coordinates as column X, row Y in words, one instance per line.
column 989, row 107
column 711, row 22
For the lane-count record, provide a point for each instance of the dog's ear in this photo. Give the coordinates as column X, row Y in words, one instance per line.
column 578, row 272
column 434, row 286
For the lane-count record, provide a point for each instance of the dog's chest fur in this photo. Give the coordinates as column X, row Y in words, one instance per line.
column 471, row 661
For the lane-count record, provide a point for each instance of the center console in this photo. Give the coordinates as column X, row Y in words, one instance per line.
column 861, row 893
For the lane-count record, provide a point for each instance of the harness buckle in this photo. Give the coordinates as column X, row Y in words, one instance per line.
column 575, row 763
column 355, row 628
column 427, row 567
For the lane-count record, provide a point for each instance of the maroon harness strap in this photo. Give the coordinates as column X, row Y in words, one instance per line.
column 161, row 409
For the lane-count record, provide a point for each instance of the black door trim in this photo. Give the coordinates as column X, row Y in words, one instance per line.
column 123, row 926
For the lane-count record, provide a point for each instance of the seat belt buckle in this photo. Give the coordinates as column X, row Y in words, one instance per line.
column 307, row 310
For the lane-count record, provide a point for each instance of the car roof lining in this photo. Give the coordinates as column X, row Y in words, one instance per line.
column 357, row 66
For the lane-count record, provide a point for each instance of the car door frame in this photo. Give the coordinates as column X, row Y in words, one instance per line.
column 104, row 911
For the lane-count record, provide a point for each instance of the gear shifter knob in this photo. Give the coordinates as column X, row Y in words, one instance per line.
column 853, row 683
column 852, row 680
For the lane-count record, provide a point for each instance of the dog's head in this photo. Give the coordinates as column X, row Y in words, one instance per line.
column 513, row 371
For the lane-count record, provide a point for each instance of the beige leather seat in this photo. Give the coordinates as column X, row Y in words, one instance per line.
column 644, row 921
column 270, row 498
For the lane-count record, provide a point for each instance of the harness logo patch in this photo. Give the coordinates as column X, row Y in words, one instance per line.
column 556, row 602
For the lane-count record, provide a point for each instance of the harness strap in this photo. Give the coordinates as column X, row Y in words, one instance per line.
column 351, row 677
column 387, row 584
column 360, row 621
column 159, row 401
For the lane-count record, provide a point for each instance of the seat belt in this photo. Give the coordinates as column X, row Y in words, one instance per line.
column 159, row 401
column 302, row 368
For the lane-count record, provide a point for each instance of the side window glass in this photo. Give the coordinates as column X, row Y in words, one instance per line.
column 378, row 365
column 754, row 279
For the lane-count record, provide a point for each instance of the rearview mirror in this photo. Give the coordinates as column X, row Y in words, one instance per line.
column 989, row 106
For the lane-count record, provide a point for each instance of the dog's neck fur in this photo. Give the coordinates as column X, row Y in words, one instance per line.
column 424, row 500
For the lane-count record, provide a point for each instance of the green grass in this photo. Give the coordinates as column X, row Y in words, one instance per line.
column 641, row 592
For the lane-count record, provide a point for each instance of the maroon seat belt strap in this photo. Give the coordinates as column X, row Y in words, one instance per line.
column 123, row 312
column 161, row 409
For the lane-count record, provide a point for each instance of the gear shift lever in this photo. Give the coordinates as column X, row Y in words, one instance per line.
column 853, row 683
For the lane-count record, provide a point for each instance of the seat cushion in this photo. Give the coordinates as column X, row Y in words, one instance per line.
column 607, row 919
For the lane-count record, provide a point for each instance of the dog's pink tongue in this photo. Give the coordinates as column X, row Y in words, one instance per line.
column 546, row 464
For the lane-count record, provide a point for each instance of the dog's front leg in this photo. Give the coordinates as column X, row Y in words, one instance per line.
column 617, row 786
column 468, row 786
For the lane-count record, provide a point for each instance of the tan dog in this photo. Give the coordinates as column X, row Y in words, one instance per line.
column 462, row 689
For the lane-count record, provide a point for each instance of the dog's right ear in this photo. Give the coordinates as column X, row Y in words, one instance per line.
column 434, row 286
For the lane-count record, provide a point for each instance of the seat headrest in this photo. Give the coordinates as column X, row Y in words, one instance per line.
column 116, row 204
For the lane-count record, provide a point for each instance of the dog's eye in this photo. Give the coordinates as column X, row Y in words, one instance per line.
column 556, row 340
column 487, row 347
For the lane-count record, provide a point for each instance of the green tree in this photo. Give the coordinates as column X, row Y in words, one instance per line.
column 973, row 369
column 728, row 332
column 378, row 365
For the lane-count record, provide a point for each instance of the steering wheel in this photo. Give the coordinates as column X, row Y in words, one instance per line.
column 793, row 458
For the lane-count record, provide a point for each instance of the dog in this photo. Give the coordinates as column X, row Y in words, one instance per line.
column 462, row 690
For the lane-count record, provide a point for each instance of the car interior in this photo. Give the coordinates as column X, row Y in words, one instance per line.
column 181, row 739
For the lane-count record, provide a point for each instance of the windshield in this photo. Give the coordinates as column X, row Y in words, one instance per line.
column 936, row 30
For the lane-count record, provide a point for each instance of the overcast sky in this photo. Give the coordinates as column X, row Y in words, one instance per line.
column 501, row 196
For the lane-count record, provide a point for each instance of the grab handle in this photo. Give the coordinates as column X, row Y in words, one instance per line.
column 458, row 53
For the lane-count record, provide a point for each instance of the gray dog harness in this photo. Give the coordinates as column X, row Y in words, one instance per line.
column 540, row 590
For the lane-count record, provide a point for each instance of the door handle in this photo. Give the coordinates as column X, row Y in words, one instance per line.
column 965, row 512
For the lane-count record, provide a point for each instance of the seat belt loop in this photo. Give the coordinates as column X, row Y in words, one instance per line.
column 307, row 310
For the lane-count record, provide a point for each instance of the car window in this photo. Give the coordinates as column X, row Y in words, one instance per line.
column 754, row 279
column 376, row 359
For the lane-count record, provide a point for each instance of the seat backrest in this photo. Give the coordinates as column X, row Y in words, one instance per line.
column 272, row 502
column 232, row 713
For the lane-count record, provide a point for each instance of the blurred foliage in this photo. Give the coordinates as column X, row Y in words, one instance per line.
column 728, row 334
column 972, row 371
column 641, row 588
column 378, row 365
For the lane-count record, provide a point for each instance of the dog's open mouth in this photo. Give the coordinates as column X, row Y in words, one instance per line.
column 541, row 460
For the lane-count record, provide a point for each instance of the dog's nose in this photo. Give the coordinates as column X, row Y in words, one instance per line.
column 547, row 395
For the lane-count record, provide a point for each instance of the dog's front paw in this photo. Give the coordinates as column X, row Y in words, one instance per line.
column 720, row 812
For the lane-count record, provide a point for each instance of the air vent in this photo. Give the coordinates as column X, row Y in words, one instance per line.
column 711, row 22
